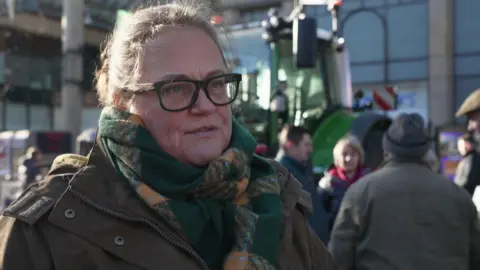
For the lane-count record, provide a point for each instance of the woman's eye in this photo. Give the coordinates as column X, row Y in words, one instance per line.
column 217, row 83
column 174, row 88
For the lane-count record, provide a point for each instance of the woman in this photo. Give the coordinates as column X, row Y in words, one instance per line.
column 172, row 181
column 465, row 144
column 348, row 157
column 466, row 172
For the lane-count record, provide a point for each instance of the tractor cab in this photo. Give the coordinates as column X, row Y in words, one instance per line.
column 314, row 63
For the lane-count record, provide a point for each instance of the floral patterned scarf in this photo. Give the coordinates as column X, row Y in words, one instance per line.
column 230, row 211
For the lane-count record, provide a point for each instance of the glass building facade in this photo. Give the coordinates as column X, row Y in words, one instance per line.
column 30, row 81
column 31, row 66
column 391, row 42
column 466, row 48
column 388, row 45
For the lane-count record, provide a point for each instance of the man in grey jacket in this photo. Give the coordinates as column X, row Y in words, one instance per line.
column 404, row 216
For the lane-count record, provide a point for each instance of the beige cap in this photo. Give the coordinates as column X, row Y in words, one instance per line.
column 471, row 104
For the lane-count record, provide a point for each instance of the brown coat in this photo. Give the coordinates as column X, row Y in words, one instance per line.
column 84, row 216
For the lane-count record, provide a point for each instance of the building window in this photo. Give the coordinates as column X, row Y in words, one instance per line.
column 17, row 69
column 16, row 116
column 40, row 70
column 90, row 63
column 56, row 74
column 33, row 72
column 40, row 117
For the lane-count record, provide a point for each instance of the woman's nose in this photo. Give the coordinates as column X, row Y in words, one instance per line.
column 348, row 158
column 203, row 103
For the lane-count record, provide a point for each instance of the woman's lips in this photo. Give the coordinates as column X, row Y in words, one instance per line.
column 203, row 132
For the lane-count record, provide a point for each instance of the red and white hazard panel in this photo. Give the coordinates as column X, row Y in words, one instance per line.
column 385, row 99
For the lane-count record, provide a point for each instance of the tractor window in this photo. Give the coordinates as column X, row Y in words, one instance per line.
column 306, row 86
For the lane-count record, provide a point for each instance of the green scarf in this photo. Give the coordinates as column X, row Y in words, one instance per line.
column 230, row 212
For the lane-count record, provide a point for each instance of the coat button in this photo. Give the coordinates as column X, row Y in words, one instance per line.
column 69, row 213
column 119, row 241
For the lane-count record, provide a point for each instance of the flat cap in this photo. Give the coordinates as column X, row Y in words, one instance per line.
column 471, row 104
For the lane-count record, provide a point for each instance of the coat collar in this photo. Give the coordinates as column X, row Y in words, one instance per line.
column 395, row 162
column 101, row 184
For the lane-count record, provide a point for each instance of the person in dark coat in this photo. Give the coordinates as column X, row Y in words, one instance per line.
column 404, row 216
column 467, row 175
column 348, row 156
column 29, row 168
column 279, row 101
column 296, row 148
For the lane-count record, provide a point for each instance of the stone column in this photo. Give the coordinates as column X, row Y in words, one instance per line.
column 72, row 75
column 441, row 107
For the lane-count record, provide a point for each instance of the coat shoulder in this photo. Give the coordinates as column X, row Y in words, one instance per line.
column 38, row 199
column 23, row 221
column 291, row 191
column 300, row 247
column 18, row 238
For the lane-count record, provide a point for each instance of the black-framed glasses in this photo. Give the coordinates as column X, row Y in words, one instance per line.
column 179, row 94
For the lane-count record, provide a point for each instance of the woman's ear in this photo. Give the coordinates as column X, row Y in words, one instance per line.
column 118, row 102
column 288, row 144
column 115, row 100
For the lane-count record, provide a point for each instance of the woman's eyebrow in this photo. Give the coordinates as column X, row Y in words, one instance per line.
column 179, row 76
column 215, row 72
column 171, row 77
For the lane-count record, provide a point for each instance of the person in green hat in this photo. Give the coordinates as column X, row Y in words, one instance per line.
column 468, row 170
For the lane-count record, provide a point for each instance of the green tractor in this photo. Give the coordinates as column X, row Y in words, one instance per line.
column 314, row 63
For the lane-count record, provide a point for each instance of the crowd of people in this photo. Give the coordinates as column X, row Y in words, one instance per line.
column 402, row 215
column 173, row 182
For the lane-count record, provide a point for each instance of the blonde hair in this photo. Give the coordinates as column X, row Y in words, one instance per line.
column 350, row 141
column 32, row 151
column 121, row 57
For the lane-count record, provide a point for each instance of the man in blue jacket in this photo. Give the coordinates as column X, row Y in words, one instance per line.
column 295, row 150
